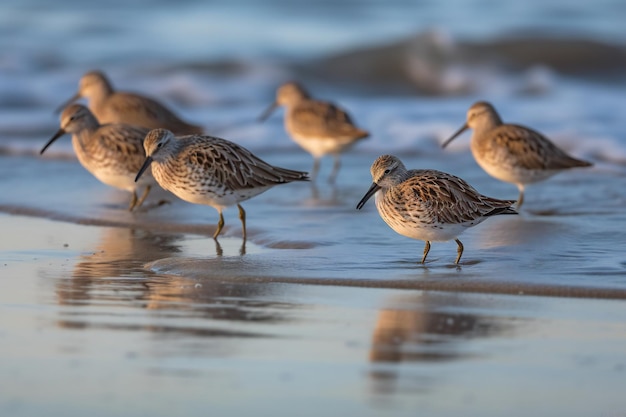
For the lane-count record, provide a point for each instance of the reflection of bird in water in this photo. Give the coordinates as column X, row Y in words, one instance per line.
column 113, row 277
column 424, row 332
column 110, row 106
column 210, row 299
column 117, row 260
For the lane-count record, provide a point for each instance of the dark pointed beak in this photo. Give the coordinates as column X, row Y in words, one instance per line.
column 268, row 111
column 375, row 187
column 457, row 133
column 67, row 103
column 57, row 135
column 145, row 166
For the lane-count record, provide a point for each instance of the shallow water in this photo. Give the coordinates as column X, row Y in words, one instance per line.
column 87, row 328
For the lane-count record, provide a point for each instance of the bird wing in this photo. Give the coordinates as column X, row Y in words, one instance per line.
column 530, row 149
column 448, row 198
column 232, row 165
column 149, row 113
column 124, row 141
column 323, row 119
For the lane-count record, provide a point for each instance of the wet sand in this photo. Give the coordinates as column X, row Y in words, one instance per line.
column 88, row 326
column 324, row 311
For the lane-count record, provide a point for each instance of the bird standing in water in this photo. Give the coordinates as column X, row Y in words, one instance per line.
column 428, row 205
column 111, row 152
column 512, row 153
column 212, row 171
column 319, row 127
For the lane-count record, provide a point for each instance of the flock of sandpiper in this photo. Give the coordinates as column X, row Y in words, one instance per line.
column 120, row 135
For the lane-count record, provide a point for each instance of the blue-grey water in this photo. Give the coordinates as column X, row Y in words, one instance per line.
column 325, row 311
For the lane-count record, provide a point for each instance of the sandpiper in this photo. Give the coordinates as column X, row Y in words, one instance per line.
column 110, row 106
column 319, row 127
column 111, row 152
column 512, row 153
column 212, row 171
column 428, row 205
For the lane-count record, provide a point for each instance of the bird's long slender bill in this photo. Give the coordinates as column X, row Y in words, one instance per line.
column 145, row 166
column 268, row 111
column 57, row 135
column 375, row 187
column 457, row 133
column 66, row 103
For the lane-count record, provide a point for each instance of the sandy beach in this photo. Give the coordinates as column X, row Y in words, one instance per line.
column 113, row 313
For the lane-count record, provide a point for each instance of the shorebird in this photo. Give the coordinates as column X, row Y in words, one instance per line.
column 512, row 153
column 319, row 127
column 212, row 171
column 428, row 205
column 111, row 152
column 110, row 106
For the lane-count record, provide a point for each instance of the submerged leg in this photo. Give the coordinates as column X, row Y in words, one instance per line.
column 459, row 250
column 218, row 248
column 143, row 196
column 220, row 224
column 520, row 199
column 242, row 217
column 426, row 250
column 316, row 168
column 335, row 171
column 133, row 202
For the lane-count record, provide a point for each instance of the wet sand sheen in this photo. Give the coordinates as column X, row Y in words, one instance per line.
column 79, row 304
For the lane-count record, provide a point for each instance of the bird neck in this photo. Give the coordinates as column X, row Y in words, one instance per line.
column 82, row 141
column 487, row 123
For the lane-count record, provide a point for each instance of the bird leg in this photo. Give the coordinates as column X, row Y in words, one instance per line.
column 220, row 225
column 242, row 217
column 336, row 166
column 133, row 202
column 218, row 248
column 316, row 168
column 143, row 196
column 520, row 199
column 459, row 250
column 426, row 250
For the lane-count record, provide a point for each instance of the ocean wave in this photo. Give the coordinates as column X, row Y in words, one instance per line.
column 434, row 63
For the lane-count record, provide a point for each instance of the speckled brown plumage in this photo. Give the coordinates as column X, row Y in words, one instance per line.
column 513, row 153
column 428, row 205
column 212, row 171
column 113, row 152
column 110, row 106
column 319, row 127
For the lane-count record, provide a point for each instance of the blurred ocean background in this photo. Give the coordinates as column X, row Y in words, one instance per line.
column 408, row 70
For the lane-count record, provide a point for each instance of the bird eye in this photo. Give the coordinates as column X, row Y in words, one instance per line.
column 159, row 145
column 387, row 171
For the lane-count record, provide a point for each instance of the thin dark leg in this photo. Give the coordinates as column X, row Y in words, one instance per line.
column 220, row 225
column 143, row 196
column 459, row 250
column 133, row 202
column 426, row 250
column 242, row 217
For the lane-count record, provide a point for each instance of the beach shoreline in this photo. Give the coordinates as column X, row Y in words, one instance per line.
column 96, row 305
